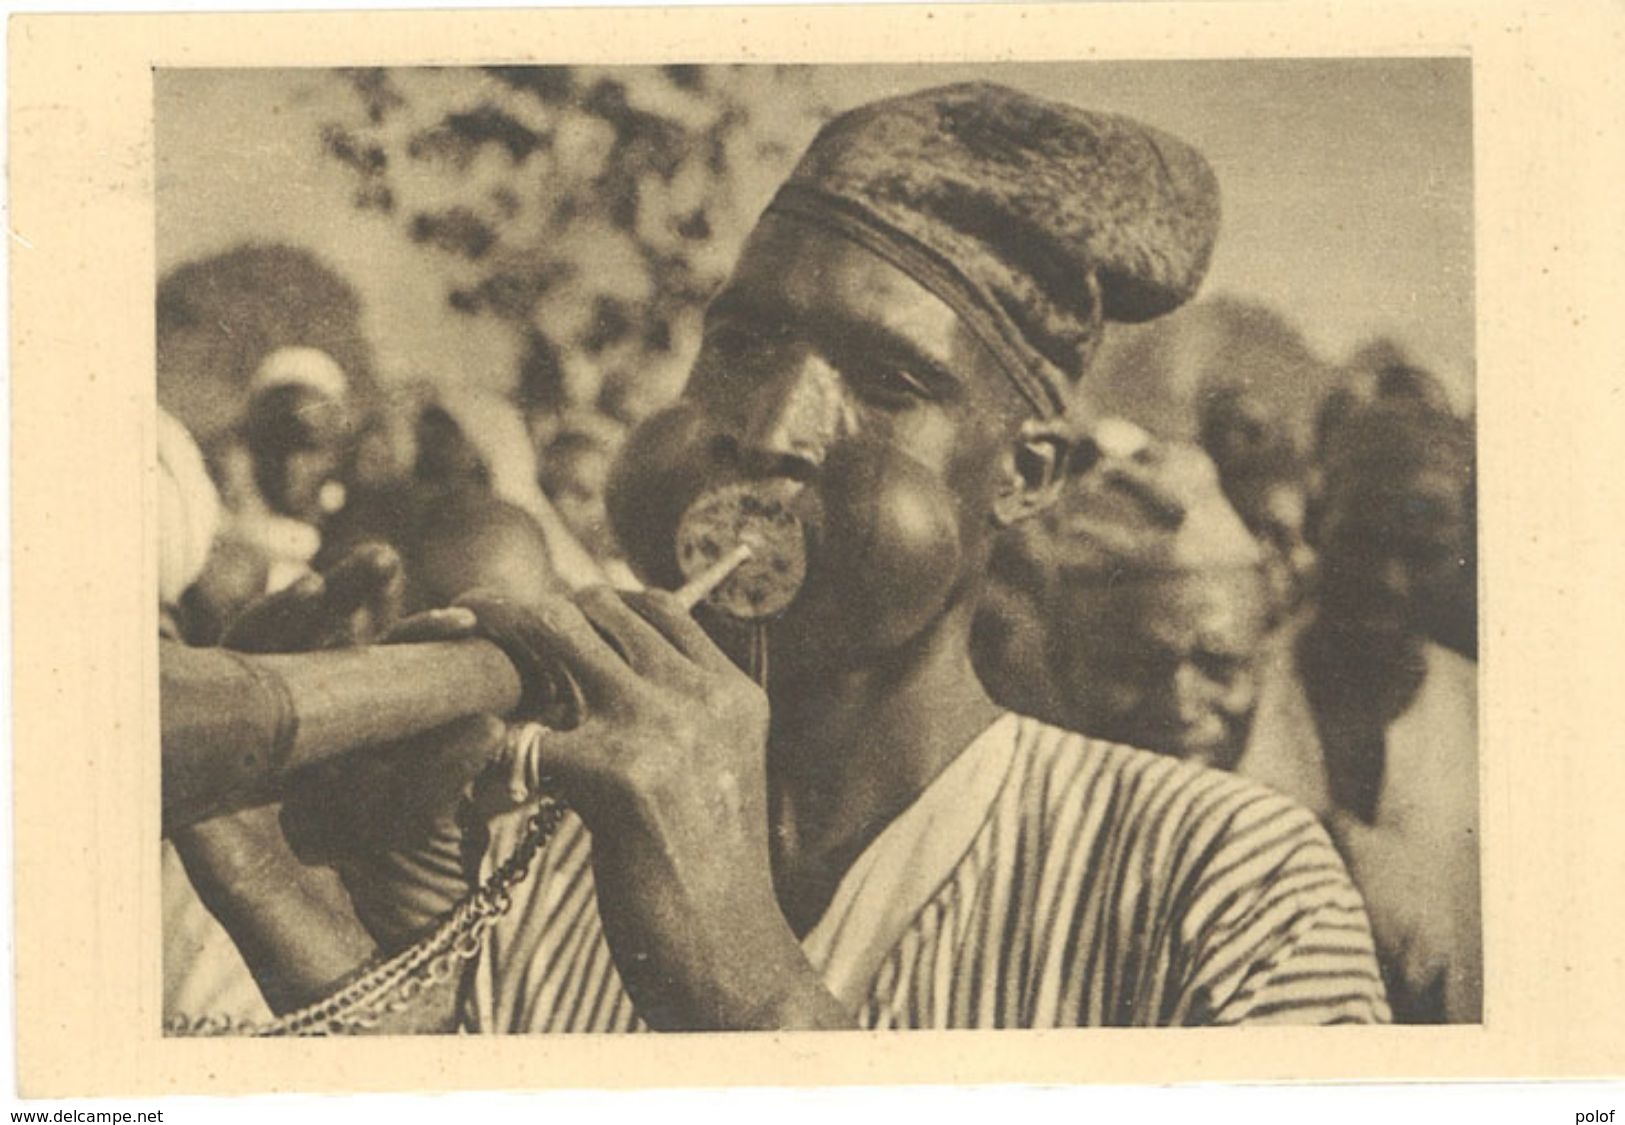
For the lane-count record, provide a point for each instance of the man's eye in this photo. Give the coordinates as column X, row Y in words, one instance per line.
column 886, row 382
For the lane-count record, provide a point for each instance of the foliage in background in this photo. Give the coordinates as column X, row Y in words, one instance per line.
column 590, row 211
column 219, row 316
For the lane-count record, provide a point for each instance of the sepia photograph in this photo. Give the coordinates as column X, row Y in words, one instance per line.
column 983, row 545
column 765, row 547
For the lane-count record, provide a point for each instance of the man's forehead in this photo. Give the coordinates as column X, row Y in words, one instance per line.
column 794, row 275
column 800, row 269
column 1220, row 611
column 1189, row 593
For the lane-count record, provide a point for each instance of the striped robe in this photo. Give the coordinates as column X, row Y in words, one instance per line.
column 1042, row 880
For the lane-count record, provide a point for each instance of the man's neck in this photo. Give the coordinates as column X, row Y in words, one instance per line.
column 1356, row 687
column 854, row 743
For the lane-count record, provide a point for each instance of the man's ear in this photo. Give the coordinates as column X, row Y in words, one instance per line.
column 1036, row 469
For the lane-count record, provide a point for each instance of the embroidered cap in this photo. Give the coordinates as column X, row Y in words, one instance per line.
column 1035, row 221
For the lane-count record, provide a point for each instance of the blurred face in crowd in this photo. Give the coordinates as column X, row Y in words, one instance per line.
column 574, row 473
column 1236, row 427
column 297, row 439
column 1395, row 535
column 1275, row 512
column 1163, row 662
column 1259, row 467
column 825, row 364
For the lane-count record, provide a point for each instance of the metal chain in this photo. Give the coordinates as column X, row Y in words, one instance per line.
column 395, row 984
column 391, row 986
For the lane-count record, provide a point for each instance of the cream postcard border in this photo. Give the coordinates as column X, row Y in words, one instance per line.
column 1549, row 102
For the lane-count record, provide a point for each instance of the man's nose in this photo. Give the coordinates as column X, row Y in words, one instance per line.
column 792, row 418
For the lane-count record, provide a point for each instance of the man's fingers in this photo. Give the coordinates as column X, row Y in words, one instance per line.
column 569, row 765
column 364, row 592
column 426, row 778
column 450, row 624
column 550, row 635
column 642, row 645
column 350, row 603
column 358, row 575
column 459, row 750
column 383, row 609
column 666, row 613
column 388, row 797
column 274, row 623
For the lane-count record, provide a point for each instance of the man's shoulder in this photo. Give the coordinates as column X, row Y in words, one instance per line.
column 1068, row 766
column 1237, row 881
column 1189, row 824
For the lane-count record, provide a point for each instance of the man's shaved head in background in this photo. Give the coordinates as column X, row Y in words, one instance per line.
column 451, row 540
column 478, row 542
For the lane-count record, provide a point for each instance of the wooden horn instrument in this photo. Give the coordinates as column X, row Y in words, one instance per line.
column 234, row 725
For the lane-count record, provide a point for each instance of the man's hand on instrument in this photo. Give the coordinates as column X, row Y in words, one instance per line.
column 385, row 807
column 388, row 817
column 395, row 797
column 667, row 768
column 357, row 600
column 664, row 713
column 292, row 921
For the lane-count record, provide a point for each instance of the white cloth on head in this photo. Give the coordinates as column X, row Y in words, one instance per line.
column 204, row 975
column 300, row 367
column 188, row 510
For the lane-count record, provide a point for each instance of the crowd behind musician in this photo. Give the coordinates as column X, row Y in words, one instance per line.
column 743, row 914
column 1139, row 610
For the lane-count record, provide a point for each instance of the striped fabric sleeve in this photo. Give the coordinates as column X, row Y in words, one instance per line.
column 1275, row 930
